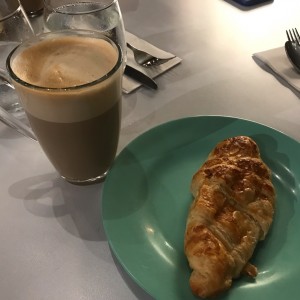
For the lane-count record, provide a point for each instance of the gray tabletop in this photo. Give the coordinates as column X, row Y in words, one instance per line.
column 52, row 243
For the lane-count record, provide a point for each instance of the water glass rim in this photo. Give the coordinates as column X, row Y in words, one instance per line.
column 100, row 6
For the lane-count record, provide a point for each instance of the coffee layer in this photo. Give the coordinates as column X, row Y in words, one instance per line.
column 80, row 150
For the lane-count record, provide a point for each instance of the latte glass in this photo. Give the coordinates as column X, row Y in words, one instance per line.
column 74, row 112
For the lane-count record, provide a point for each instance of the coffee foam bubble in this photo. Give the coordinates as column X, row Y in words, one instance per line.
column 67, row 62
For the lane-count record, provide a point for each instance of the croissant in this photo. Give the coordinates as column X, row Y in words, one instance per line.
column 233, row 208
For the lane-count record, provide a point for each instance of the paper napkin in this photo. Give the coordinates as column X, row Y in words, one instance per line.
column 129, row 84
column 277, row 60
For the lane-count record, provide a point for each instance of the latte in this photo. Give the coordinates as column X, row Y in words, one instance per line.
column 70, row 88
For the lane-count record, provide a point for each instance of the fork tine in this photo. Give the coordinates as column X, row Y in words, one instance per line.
column 288, row 36
column 295, row 36
column 292, row 36
column 298, row 36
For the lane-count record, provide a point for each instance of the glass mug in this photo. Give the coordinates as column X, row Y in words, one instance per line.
column 14, row 28
column 71, row 91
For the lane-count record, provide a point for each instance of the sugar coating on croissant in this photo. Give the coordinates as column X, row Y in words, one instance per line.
column 233, row 208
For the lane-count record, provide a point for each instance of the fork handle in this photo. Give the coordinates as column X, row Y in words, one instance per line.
column 130, row 46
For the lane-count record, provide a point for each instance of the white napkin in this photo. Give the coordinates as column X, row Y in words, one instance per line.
column 129, row 84
column 277, row 60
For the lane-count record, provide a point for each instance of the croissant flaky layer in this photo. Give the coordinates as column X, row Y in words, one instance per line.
column 232, row 210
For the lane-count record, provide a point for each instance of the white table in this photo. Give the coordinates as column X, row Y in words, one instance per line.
column 52, row 244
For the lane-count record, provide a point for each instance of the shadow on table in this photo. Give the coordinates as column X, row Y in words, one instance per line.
column 76, row 208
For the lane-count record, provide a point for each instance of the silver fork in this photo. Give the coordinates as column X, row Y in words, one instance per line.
column 293, row 36
column 145, row 59
column 292, row 48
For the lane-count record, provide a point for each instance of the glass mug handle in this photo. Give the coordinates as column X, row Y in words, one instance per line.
column 8, row 118
column 11, row 104
column 5, row 78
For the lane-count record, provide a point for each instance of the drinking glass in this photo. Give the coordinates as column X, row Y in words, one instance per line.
column 99, row 15
column 74, row 109
column 14, row 28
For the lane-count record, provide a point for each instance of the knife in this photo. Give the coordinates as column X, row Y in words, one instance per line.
column 140, row 77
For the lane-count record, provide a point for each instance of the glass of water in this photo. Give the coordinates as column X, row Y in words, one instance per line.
column 98, row 15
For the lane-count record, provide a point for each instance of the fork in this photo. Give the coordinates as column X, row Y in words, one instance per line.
column 292, row 48
column 145, row 59
column 293, row 36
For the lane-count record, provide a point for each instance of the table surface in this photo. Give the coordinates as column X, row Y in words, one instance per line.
column 52, row 243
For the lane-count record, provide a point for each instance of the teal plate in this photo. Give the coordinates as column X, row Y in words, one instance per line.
column 146, row 200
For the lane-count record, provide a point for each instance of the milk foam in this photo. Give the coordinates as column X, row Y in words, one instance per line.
column 65, row 62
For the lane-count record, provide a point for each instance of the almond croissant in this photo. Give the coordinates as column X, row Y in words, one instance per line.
column 232, row 210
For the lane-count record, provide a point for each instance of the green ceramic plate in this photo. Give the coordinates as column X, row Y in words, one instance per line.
column 146, row 199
